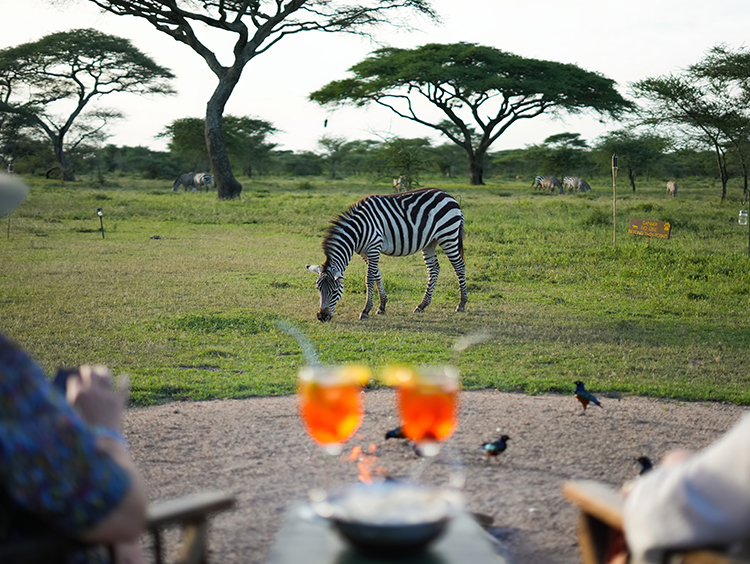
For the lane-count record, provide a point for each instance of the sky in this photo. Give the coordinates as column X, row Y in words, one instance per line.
column 625, row 41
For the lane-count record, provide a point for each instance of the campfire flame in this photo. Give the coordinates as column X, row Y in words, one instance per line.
column 366, row 463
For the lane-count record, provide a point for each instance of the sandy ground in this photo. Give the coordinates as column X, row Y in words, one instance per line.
column 258, row 450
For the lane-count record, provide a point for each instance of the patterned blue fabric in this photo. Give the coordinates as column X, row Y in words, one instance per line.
column 51, row 472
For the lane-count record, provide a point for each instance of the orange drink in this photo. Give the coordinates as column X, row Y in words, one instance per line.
column 427, row 402
column 330, row 402
column 428, row 413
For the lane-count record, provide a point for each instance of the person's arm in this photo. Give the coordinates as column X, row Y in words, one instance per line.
column 54, row 467
column 90, row 393
column 127, row 521
column 698, row 502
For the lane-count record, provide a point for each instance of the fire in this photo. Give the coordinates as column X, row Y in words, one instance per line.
column 366, row 463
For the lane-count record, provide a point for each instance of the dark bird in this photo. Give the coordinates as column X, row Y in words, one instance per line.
column 493, row 449
column 397, row 433
column 645, row 463
column 584, row 396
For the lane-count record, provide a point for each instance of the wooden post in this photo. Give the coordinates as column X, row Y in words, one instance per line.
column 101, row 219
column 614, row 200
column 10, row 171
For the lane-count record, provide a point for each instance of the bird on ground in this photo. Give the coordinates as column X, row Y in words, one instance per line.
column 584, row 396
column 493, row 449
column 645, row 463
column 397, row 433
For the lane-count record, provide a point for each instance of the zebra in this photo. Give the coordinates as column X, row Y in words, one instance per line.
column 672, row 188
column 547, row 183
column 194, row 181
column 395, row 225
column 399, row 184
column 575, row 184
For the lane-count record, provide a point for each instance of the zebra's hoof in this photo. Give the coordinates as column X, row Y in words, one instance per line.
column 418, row 309
column 380, row 312
column 460, row 309
column 363, row 315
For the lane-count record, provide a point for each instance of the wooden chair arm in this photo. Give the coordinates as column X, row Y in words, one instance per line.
column 596, row 499
column 187, row 509
column 190, row 512
column 600, row 527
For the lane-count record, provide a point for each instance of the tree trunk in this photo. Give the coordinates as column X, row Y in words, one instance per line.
column 67, row 172
column 476, row 168
column 631, row 178
column 227, row 185
column 721, row 160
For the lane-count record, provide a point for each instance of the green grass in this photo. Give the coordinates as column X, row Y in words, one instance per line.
column 192, row 315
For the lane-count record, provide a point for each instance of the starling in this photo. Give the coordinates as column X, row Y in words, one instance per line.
column 493, row 449
column 397, row 433
column 584, row 396
column 645, row 463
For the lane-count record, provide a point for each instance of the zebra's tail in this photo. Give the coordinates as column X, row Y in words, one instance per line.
column 461, row 241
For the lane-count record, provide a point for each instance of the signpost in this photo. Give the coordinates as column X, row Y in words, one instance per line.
column 650, row 228
column 614, row 200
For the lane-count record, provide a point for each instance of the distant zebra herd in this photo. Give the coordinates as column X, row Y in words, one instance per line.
column 194, row 180
column 569, row 183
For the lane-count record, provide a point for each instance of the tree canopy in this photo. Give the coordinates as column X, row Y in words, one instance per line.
column 48, row 83
column 480, row 90
column 255, row 25
column 705, row 106
column 246, row 142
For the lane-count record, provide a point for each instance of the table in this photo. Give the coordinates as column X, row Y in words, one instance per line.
column 305, row 538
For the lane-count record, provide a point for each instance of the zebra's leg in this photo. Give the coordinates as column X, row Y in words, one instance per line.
column 433, row 270
column 382, row 294
column 460, row 268
column 373, row 275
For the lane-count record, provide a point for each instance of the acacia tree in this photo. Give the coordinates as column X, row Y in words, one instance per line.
column 334, row 152
column 682, row 106
column 636, row 151
column 727, row 74
column 255, row 25
column 245, row 139
column 564, row 154
column 480, row 90
column 707, row 103
column 50, row 82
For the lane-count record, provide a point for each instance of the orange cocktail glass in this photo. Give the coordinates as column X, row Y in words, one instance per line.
column 331, row 403
column 428, row 404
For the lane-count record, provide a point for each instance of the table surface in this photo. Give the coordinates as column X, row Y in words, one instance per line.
column 307, row 538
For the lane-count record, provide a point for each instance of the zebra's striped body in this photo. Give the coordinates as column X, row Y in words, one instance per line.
column 672, row 188
column 395, row 225
column 575, row 184
column 194, row 180
column 547, row 183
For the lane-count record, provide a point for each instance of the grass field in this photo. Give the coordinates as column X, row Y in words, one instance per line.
column 191, row 315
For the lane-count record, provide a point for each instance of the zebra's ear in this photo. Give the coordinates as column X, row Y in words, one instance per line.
column 316, row 268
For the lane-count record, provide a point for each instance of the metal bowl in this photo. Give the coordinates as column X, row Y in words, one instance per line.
column 390, row 518
column 386, row 540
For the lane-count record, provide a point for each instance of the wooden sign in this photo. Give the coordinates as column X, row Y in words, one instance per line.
column 650, row 228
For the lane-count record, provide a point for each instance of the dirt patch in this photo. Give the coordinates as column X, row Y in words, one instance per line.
column 258, row 450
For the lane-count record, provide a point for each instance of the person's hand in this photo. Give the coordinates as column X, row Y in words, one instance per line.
column 91, row 395
column 675, row 457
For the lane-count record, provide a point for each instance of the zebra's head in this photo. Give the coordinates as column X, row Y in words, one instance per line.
column 330, row 286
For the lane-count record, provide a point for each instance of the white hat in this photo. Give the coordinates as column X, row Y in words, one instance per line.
column 12, row 193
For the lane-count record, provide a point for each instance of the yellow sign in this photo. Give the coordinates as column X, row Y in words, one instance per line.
column 650, row 228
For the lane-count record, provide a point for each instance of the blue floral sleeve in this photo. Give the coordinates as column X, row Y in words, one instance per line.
column 49, row 463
